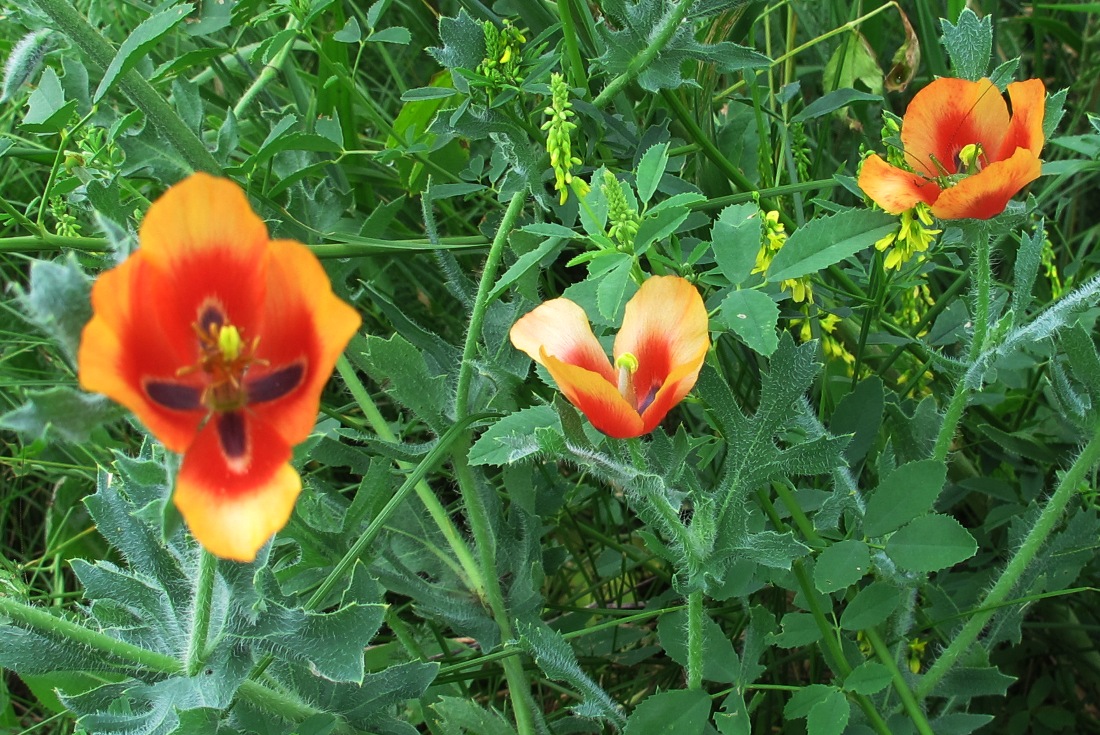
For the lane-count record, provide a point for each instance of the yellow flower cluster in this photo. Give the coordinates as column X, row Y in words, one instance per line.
column 914, row 235
column 622, row 219
column 775, row 234
column 559, row 129
column 831, row 346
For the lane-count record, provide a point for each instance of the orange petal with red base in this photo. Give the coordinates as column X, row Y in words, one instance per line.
column 596, row 397
column 303, row 324
column 665, row 326
column 204, row 233
column 561, row 329
column 986, row 193
column 892, row 188
column 126, row 343
column 235, row 488
column 1025, row 130
column 949, row 114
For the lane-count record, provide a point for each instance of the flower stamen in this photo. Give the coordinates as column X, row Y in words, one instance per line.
column 627, row 365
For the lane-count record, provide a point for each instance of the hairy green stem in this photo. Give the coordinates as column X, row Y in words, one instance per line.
column 269, row 71
column 100, row 52
column 1025, row 554
column 481, row 304
column 519, row 688
column 695, row 613
column 661, row 36
column 957, row 405
column 112, row 647
column 200, row 614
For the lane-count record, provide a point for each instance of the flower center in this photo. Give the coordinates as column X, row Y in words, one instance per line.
column 225, row 357
column 970, row 159
column 627, row 365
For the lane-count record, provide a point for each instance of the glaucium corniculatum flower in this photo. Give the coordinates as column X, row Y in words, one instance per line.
column 658, row 354
column 967, row 153
column 220, row 340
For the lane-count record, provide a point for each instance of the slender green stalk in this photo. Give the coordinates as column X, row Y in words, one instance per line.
column 661, row 36
column 200, row 614
column 280, row 704
column 269, row 71
column 711, row 151
column 908, row 701
column 473, row 575
column 577, row 76
column 695, row 613
column 957, row 405
column 1025, row 554
column 519, row 688
column 100, row 52
column 834, row 654
column 481, row 304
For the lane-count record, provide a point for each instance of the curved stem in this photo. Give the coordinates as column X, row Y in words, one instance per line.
column 661, row 36
column 1025, row 554
column 200, row 614
column 519, row 688
column 268, row 72
column 100, row 52
column 481, row 304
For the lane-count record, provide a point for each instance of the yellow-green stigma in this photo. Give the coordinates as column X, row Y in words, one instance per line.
column 229, row 342
column 969, row 158
column 627, row 365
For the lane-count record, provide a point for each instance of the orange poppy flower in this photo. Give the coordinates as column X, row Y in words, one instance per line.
column 220, row 340
column 658, row 354
column 969, row 155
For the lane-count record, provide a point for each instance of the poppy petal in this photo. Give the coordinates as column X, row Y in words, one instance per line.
column 986, row 193
column 677, row 385
column 665, row 326
column 597, row 399
column 124, row 349
column 948, row 115
column 203, row 231
column 305, row 324
column 1025, row 130
column 235, row 487
column 561, row 329
column 894, row 189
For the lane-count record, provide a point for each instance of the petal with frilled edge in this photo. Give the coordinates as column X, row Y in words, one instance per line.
column 597, row 398
column 303, row 330
column 235, row 487
column 127, row 351
column 892, row 188
column 561, row 329
column 1025, row 130
column 665, row 326
column 949, row 114
column 986, row 193
column 204, row 233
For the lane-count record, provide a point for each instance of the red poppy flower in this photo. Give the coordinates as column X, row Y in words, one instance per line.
column 220, row 340
column 658, row 354
column 969, row 155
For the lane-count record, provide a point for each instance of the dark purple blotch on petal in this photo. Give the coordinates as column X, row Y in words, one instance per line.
column 211, row 317
column 232, row 434
column 275, row 384
column 172, row 395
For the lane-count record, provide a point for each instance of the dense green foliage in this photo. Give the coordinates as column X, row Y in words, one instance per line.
column 875, row 513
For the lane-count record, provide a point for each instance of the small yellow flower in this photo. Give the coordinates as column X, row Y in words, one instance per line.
column 914, row 235
column 775, row 234
column 559, row 131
